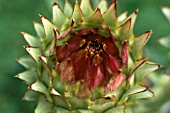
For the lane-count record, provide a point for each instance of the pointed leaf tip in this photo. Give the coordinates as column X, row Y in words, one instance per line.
column 86, row 8
column 139, row 43
column 110, row 16
column 123, row 31
column 95, row 20
column 166, row 12
column 54, row 4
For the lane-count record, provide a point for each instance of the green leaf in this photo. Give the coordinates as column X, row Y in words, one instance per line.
column 68, row 10
column 117, row 109
column 165, row 41
column 39, row 29
column 59, row 85
column 110, row 17
column 143, row 70
column 78, row 96
column 86, row 8
column 45, row 107
column 138, row 63
column 26, row 61
column 31, row 95
column 122, row 17
column 77, row 14
column 98, row 92
column 103, row 6
column 34, row 52
column 85, row 111
column 62, row 110
column 49, row 31
column 105, row 103
column 133, row 18
column 123, row 31
column 95, row 20
column 59, row 18
column 29, row 76
column 139, row 43
column 32, row 40
column 166, row 12
column 46, row 72
column 141, row 95
column 131, row 91
column 61, row 101
column 60, row 2
column 40, row 87
column 94, row 3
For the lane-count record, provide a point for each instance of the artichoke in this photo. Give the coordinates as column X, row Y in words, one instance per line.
column 86, row 60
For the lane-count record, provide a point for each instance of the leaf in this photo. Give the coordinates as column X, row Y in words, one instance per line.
column 49, row 31
column 138, row 45
column 46, row 72
column 124, row 30
column 59, row 85
column 61, row 101
column 60, row 2
column 68, row 10
column 94, row 3
column 138, row 63
column 39, row 29
column 95, row 20
column 77, row 14
column 133, row 18
column 31, row 95
column 86, row 8
column 98, row 92
column 45, row 107
column 131, row 91
column 110, row 17
column 26, row 61
column 59, row 18
column 122, row 17
column 32, row 40
column 34, row 52
column 165, row 41
column 117, row 109
column 166, row 12
column 40, row 87
column 30, row 76
column 105, row 103
column 78, row 96
column 102, row 6
column 145, row 69
column 141, row 95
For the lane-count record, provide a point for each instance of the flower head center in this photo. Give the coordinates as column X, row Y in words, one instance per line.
column 94, row 47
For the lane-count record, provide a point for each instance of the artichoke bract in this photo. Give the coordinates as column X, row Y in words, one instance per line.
column 86, row 61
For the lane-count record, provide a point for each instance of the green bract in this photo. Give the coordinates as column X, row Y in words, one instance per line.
column 111, row 78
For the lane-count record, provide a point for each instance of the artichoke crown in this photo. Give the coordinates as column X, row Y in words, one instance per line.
column 86, row 61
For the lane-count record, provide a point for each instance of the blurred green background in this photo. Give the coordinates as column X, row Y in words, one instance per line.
column 18, row 15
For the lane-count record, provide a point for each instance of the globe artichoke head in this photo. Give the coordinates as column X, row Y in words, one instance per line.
column 86, row 58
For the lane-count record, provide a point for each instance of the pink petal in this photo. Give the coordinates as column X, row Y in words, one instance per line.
column 74, row 43
column 95, row 76
column 111, row 48
column 111, row 63
column 62, row 52
column 81, row 67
